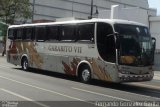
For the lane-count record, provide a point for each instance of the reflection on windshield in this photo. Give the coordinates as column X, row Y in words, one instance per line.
column 129, row 50
column 135, row 45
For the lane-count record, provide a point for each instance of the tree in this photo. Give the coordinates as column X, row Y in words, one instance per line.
column 15, row 10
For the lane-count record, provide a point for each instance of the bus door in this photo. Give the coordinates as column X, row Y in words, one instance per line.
column 106, row 47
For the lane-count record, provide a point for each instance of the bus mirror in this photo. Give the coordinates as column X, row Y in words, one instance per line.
column 109, row 35
column 153, row 43
column 113, row 34
column 116, row 34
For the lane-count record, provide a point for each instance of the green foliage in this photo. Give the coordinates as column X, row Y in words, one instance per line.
column 15, row 10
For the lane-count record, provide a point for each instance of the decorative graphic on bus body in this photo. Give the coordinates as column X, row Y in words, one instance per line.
column 20, row 48
column 98, row 70
column 71, row 70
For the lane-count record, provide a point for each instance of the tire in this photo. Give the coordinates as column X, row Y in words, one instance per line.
column 25, row 66
column 85, row 75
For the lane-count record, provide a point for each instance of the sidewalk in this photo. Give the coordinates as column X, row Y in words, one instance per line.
column 156, row 75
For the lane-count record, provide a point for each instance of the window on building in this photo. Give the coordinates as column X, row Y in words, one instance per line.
column 86, row 32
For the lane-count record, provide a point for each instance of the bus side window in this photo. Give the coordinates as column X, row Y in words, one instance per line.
column 106, row 42
column 14, row 34
column 86, row 32
column 28, row 33
column 67, row 33
column 40, row 33
column 52, row 33
column 19, row 33
column 10, row 34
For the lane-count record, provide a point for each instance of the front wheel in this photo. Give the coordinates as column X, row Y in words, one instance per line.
column 25, row 64
column 85, row 74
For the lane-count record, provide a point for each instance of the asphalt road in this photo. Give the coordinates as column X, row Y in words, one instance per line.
column 37, row 88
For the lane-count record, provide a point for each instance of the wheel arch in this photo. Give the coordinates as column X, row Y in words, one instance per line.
column 24, row 56
column 81, row 64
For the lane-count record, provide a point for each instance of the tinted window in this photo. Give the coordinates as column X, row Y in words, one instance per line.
column 10, row 34
column 19, row 33
column 28, row 34
column 15, row 33
column 68, row 32
column 103, row 29
column 52, row 33
column 40, row 33
column 106, row 42
column 86, row 32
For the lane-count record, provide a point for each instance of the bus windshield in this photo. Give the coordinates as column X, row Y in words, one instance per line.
column 135, row 45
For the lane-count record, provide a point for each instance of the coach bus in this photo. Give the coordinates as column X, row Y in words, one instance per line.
column 103, row 49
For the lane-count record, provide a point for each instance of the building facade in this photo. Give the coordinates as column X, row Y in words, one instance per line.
column 80, row 9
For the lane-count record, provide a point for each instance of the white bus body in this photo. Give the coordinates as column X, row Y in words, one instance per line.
column 89, row 49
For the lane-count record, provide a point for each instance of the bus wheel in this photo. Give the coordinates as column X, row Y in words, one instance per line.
column 25, row 64
column 85, row 74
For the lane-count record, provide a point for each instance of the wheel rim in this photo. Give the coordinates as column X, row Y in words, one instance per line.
column 85, row 75
column 25, row 65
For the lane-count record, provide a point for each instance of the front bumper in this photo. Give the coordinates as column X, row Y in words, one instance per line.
column 135, row 78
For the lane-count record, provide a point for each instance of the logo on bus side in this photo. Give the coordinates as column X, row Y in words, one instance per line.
column 65, row 49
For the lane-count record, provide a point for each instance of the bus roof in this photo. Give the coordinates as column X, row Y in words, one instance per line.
column 110, row 21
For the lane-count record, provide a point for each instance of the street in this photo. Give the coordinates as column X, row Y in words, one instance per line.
column 38, row 88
